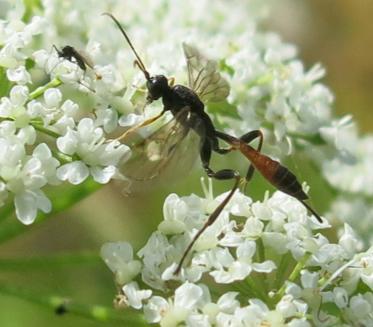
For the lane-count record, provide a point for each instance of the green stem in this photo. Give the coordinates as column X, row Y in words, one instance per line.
column 12, row 227
column 40, row 90
column 62, row 157
column 260, row 250
column 285, row 263
column 49, row 262
column 38, row 126
column 313, row 139
column 60, row 305
column 45, row 130
column 242, row 288
column 293, row 276
column 253, row 285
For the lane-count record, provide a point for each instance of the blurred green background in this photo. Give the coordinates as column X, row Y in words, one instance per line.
column 336, row 33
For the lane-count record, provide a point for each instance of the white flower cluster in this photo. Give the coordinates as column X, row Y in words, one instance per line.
column 283, row 271
column 55, row 120
column 270, row 87
column 45, row 136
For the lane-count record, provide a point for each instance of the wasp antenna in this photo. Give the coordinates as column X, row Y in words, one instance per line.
column 57, row 50
column 140, row 64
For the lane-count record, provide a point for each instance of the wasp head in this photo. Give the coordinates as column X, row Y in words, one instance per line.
column 157, row 86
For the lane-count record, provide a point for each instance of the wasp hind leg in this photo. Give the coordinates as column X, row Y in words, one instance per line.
column 246, row 138
column 224, row 174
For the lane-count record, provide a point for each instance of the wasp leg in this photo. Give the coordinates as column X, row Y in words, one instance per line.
column 247, row 138
column 223, row 174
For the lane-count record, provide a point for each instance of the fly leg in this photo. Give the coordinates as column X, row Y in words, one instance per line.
column 223, row 174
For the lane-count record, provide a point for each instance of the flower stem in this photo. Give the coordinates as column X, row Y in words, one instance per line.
column 293, row 276
column 283, row 267
column 314, row 139
column 61, row 305
column 260, row 250
column 45, row 130
column 256, row 289
column 40, row 90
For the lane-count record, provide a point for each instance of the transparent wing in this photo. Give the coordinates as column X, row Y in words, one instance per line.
column 164, row 150
column 204, row 77
column 85, row 57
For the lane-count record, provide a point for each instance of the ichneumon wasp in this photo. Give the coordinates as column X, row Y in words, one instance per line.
column 187, row 106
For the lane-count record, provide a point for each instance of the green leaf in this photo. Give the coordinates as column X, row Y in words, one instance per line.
column 29, row 64
column 331, row 308
column 61, row 200
column 58, row 304
column 362, row 287
column 5, row 84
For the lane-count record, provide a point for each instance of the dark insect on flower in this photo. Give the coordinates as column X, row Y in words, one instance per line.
column 78, row 57
column 186, row 104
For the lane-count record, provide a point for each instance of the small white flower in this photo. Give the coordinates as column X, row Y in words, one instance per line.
column 231, row 270
column 155, row 309
column 135, row 296
column 349, row 241
column 25, row 175
column 119, row 258
column 52, row 97
column 174, row 211
column 341, row 297
column 188, row 298
column 28, row 202
column 341, row 134
column 19, row 75
column 359, row 307
column 75, row 172
column 18, row 95
column 97, row 157
column 107, row 118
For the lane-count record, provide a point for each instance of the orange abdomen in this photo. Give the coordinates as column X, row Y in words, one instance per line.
column 278, row 175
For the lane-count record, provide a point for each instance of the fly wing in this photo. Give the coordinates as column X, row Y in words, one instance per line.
column 204, row 77
column 165, row 149
column 85, row 57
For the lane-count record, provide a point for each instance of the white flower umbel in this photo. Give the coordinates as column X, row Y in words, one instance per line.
column 119, row 258
column 270, row 87
column 45, row 135
column 24, row 175
column 55, row 115
column 293, row 285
